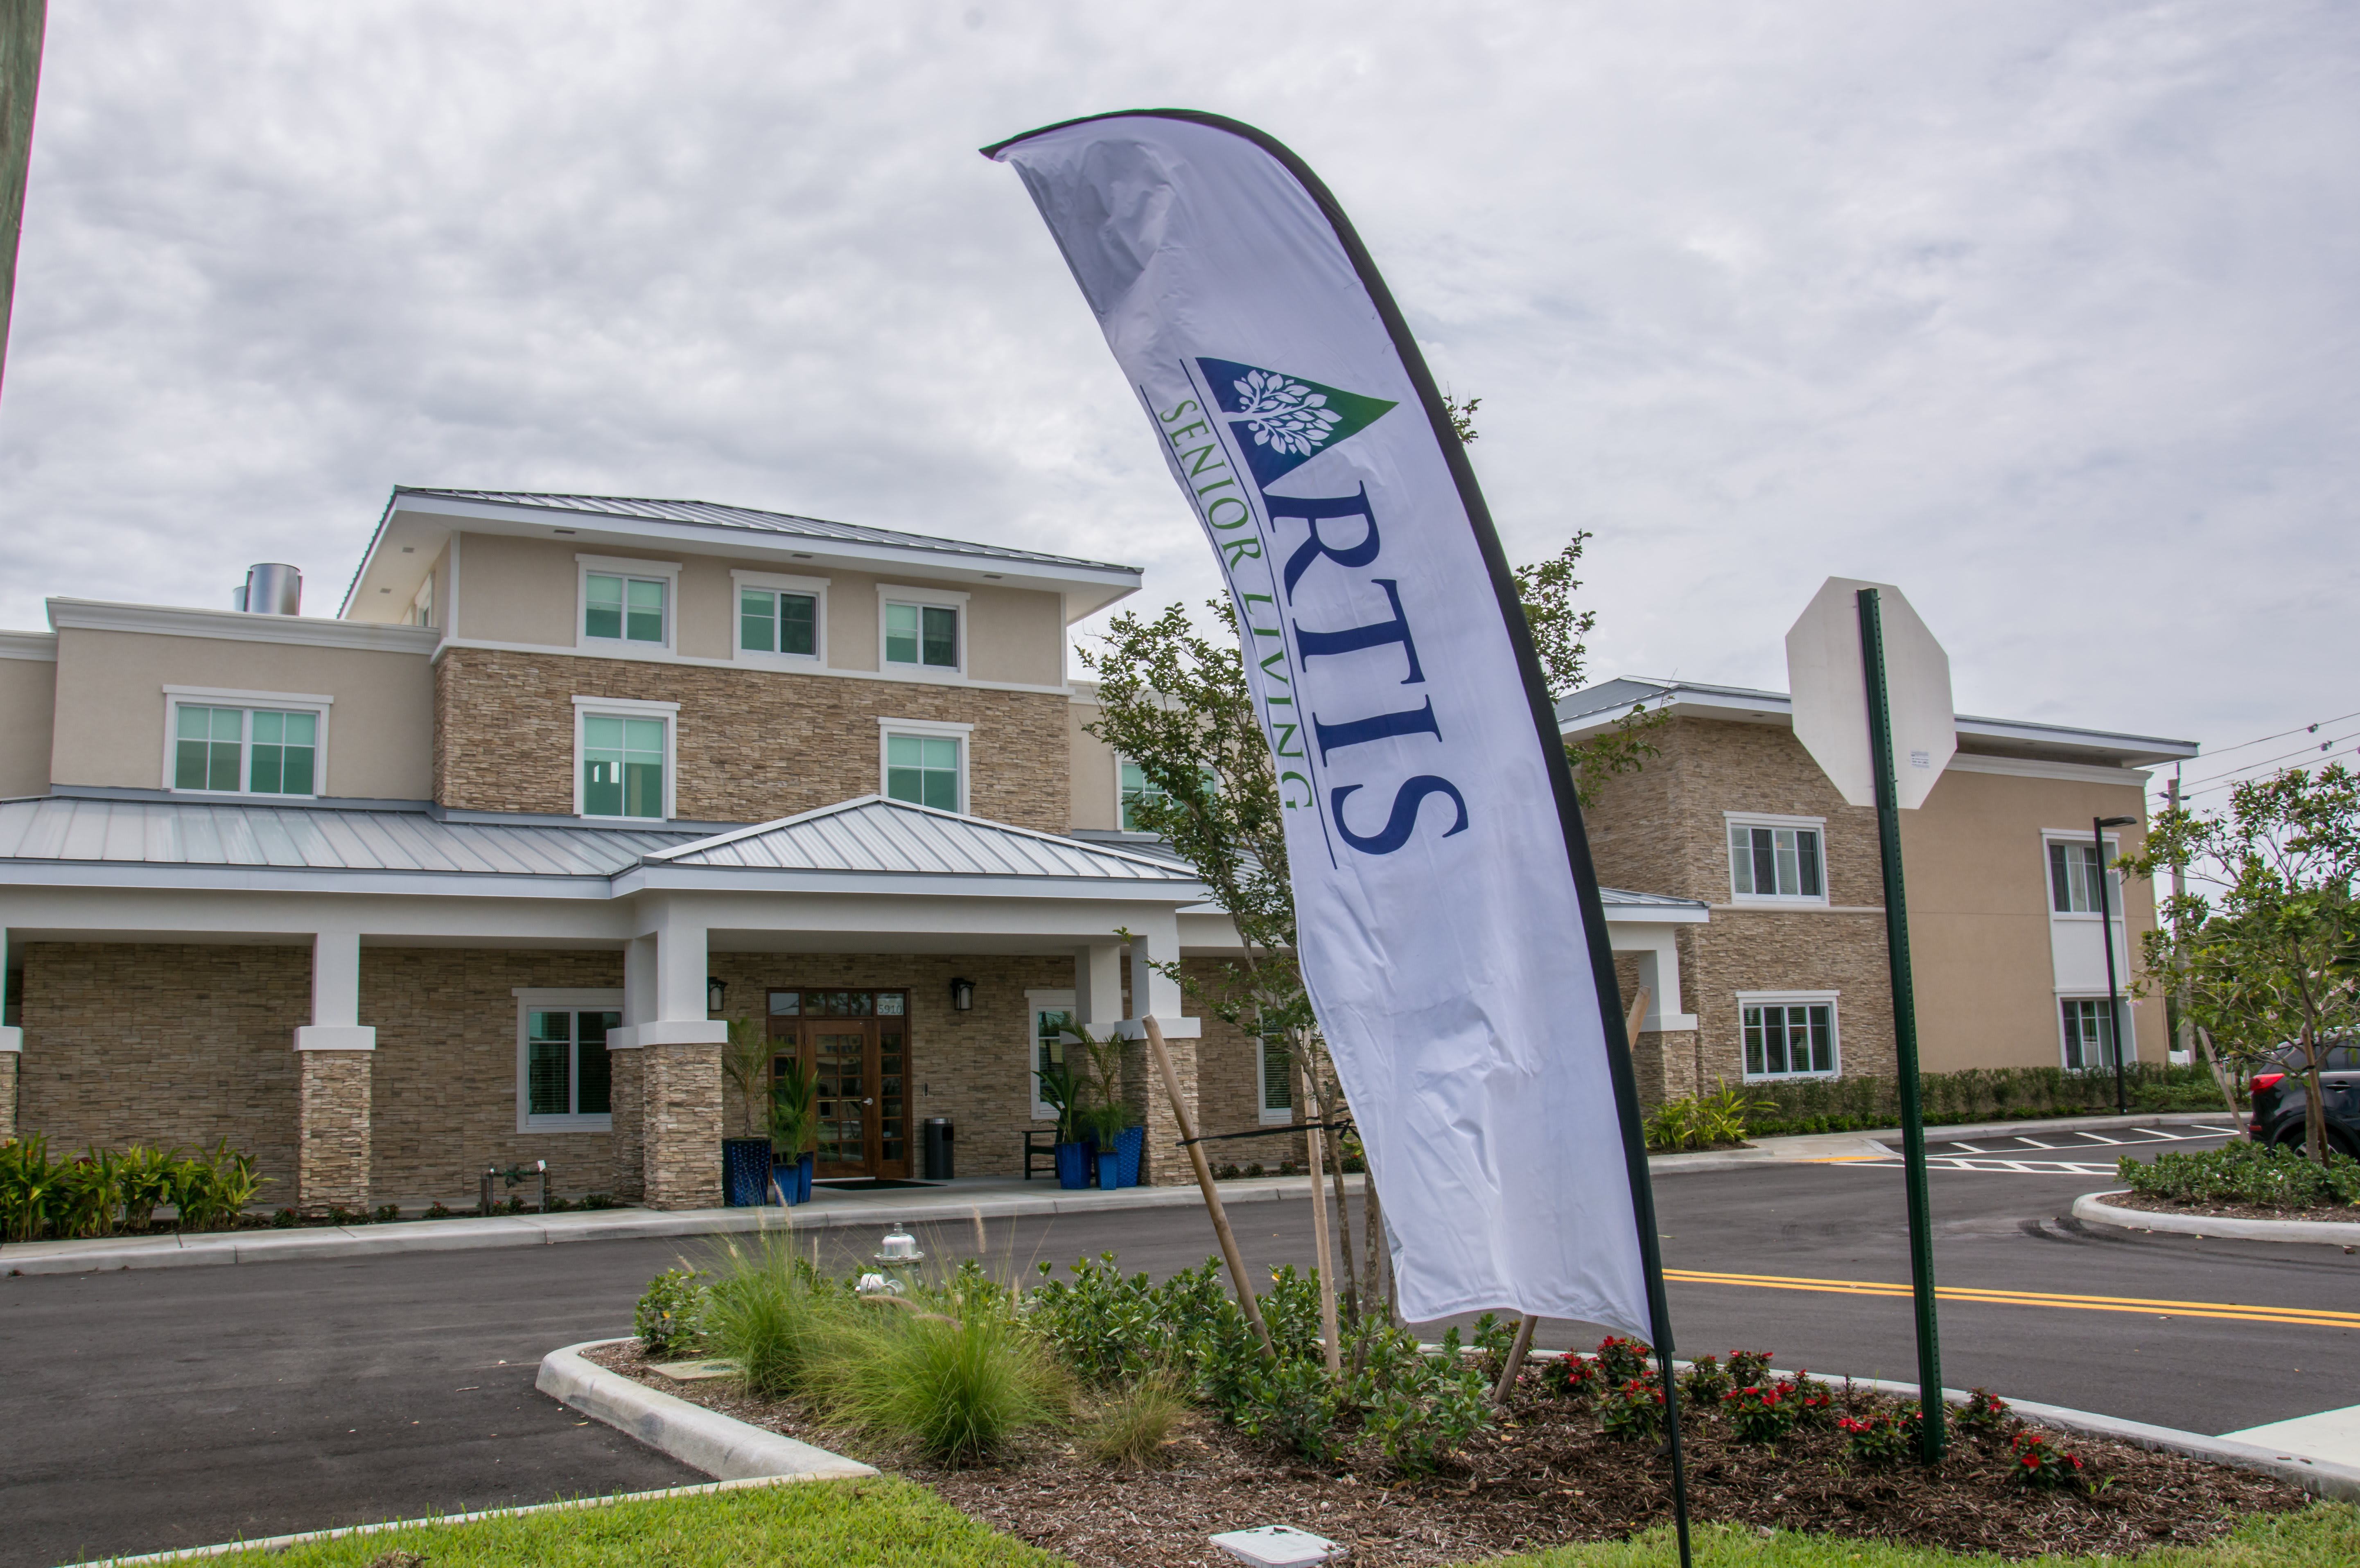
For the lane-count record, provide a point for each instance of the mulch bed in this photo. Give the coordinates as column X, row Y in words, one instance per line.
column 1545, row 1477
column 2349, row 1214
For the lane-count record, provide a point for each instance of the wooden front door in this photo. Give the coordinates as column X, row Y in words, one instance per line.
column 860, row 1101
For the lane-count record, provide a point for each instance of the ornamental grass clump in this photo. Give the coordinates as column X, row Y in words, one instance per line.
column 769, row 1311
column 955, row 1391
column 1129, row 1430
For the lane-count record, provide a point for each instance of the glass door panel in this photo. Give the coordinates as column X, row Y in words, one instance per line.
column 842, row 1099
column 892, row 1102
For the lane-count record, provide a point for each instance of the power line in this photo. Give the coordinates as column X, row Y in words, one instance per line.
column 2322, row 748
column 2299, row 729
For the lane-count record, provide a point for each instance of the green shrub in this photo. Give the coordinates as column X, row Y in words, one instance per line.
column 1747, row 1367
column 670, row 1313
column 1573, row 1376
column 1984, row 1414
column 1422, row 1406
column 1294, row 1403
column 1703, row 1121
column 1706, row 1383
column 213, row 1189
column 29, row 1184
column 146, row 1177
column 1633, row 1412
column 2042, row 1465
column 1879, row 1440
column 955, row 1391
column 1762, row 1413
column 1975, row 1094
column 1623, row 1359
column 2256, row 1173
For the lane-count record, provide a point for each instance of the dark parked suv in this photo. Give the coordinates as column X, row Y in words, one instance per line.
column 2282, row 1089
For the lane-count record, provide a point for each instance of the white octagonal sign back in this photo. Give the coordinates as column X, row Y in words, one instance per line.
column 1830, row 693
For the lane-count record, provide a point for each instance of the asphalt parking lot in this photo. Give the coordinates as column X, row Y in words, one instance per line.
column 184, row 1406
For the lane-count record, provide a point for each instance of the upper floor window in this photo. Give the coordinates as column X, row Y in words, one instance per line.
column 920, row 630
column 772, row 622
column 924, row 770
column 1776, row 857
column 628, row 609
column 2073, row 879
column 245, row 750
column 624, row 755
column 922, row 634
column 1137, row 789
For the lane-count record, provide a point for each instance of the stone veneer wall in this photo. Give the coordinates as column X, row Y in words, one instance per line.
column 332, row 1131
column 8, row 1059
column 753, row 745
column 164, row 1044
column 1228, row 1088
column 446, row 1087
column 680, row 1099
column 1662, row 831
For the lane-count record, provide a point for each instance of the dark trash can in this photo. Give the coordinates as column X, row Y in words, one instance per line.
column 935, row 1140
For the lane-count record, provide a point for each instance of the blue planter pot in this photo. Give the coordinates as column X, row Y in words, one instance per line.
column 745, row 1171
column 1073, row 1165
column 1129, row 1145
column 1110, row 1166
column 803, row 1177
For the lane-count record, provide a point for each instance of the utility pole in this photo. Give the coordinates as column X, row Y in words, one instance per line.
column 22, row 23
column 2183, row 1028
column 2098, row 826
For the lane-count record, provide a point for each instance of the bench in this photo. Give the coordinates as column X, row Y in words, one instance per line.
column 1033, row 1151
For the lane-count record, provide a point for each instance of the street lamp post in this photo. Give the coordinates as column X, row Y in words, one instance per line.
column 2098, row 826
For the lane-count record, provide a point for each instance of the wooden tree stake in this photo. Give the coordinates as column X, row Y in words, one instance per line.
column 1319, row 1231
column 1516, row 1361
column 1205, row 1179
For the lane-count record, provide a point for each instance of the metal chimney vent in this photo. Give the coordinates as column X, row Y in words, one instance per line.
column 271, row 589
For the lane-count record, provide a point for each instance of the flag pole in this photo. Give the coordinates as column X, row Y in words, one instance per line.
column 1905, row 1031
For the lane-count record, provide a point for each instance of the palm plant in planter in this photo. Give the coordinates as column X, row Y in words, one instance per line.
column 1061, row 1091
column 1112, row 1126
column 746, row 1159
column 793, row 1120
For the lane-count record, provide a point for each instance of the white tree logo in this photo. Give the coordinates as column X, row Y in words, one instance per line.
column 1285, row 415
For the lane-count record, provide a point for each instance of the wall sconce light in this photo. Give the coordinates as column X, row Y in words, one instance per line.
column 962, row 995
column 716, row 989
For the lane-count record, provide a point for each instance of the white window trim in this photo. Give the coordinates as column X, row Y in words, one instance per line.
column 630, row 708
column 1036, row 1003
column 618, row 566
column 944, row 598
column 2049, row 890
column 778, row 582
column 221, row 697
column 1773, row 901
column 1835, row 1026
column 1263, row 1115
column 964, row 733
column 529, row 1000
column 2128, row 1045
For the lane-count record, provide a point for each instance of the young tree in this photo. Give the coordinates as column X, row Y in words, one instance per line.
column 2270, row 955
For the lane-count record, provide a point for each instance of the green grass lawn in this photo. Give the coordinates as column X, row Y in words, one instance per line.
column 2326, row 1535
column 879, row 1521
column 903, row 1525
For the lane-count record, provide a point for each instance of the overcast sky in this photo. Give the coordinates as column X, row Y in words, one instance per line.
column 2043, row 312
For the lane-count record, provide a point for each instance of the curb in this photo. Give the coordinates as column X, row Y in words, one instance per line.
column 2094, row 1207
column 724, row 1448
column 604, row 1225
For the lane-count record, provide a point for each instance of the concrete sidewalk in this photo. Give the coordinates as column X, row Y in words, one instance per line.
column 992, row 1197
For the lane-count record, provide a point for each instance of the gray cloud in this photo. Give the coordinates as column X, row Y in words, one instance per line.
column 2044, row 312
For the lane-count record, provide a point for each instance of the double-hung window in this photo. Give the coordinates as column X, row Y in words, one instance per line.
column 1789, row 1035
column 1274, row 1065
column 2073, row 870
column 925, row 762
column 1777, row 858
column 623, row 757
column 564, row 1077
column 228, row 749
column 1138, row 789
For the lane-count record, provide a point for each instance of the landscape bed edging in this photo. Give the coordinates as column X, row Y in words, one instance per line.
column 723, row 1447
column 2094, row 1207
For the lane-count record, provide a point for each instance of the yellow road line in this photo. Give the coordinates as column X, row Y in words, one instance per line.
column 2232, row 1311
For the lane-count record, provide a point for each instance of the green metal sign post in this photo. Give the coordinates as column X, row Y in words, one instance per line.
column 1905, row 1032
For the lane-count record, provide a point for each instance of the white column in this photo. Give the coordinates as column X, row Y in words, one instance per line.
column 1154, row 993
column 638, row 993
column 336, row 996
column 1098, row 986
column 678, row 1015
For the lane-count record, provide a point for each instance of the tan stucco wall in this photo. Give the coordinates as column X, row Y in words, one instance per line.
column 1097, row 801
column 27, row 707
column 525, row 591
column 110, row 685
column 1979, row 921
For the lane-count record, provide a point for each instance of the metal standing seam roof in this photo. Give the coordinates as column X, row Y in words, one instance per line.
column 748, row 518
column 875, row 835
column 171, row 833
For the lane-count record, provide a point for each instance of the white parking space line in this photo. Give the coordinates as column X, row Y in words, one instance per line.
column 1994, row 1165
column 2034, row 1141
